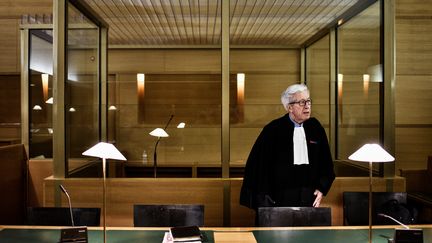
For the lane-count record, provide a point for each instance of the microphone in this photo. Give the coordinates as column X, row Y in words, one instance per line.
column 73, row 234
column 70, row 205
column 405, row 235
column 389, row 217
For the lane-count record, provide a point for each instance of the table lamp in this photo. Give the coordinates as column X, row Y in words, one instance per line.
column 105, row 151
column 160, row 133
column 372, row 153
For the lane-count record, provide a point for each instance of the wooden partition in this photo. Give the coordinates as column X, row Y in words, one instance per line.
column 13, row 184
column 123, row 193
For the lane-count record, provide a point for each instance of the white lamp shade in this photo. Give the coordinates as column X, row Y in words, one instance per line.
column 105, row 151
column 50, row 101
column 37, row 108
column 371, row 153
column 159, row 132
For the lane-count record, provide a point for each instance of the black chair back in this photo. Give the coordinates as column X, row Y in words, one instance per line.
column 356, row 207
column 168, row 215
column 293, row 216
column 59, row 216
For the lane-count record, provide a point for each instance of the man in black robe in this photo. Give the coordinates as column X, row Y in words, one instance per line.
column 290, row 164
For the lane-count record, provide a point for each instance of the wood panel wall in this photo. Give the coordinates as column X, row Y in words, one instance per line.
column 413, row 89
column 123, row 193
column 10, row 19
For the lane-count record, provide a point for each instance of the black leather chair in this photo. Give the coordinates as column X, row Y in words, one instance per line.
column 58, row 216
column 168, row 215
column 356, row 208
column 293, row 216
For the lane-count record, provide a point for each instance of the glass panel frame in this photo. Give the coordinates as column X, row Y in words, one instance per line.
column 359, row 82
column 40, row 83
column 82, row 87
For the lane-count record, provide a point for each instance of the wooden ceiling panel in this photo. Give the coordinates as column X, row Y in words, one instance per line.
column 197, row 22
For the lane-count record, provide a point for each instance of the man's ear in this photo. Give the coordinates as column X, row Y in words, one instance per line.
column 289, row 108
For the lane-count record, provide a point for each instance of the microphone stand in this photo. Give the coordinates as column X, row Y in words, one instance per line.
column 406, row 234
column 155, row 153
column 69, row 201
column 74, row 234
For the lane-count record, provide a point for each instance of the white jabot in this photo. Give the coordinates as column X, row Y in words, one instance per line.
column 300, row 146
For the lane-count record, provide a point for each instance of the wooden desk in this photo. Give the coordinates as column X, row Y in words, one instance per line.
column 331, row 234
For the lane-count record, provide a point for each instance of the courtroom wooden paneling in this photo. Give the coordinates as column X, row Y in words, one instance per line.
column 38, row 171
column 13, row 184
column 413, row 87
column 9, row 46
column 16, row 8
column 123, row 193
column 414, row 147
column 10, row 114
column 10, row 19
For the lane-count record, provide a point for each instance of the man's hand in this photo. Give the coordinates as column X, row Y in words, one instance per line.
column 318, row 198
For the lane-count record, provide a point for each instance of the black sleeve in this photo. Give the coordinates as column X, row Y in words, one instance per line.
column 255, row 187
column 326, row 169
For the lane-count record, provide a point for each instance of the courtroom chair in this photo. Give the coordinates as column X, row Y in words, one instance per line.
column 293, row 216
column 356, row 208
column 59, row 216
column 168, row 215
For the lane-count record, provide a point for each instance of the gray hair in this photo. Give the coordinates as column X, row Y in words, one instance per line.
column 288, row 94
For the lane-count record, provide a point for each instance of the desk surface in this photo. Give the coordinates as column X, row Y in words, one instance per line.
column 17, row 234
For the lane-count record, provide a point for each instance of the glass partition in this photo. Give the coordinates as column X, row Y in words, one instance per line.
column 359, row 82
column 318, row 80
column 176, row 89
column 40, row 94
column 82, row 87
column 255, row 89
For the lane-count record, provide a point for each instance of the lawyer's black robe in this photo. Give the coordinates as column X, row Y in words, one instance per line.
column 270, row 174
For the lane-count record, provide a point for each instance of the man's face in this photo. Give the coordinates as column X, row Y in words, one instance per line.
column 298, row 112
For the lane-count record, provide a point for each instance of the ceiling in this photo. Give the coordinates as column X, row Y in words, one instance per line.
column 198, row 22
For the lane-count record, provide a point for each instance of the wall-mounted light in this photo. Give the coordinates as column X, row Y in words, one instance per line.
column 340, row 91
column 240, row 88
column 72, row 109
column 140, row 83
column 141, row 92
column 112, row 108
column 181, row 125
column 340, row 84
column 366, row 79
column 45, row 79
column 240, row 95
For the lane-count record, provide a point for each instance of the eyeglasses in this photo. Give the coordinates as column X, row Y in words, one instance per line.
column 302, row 102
